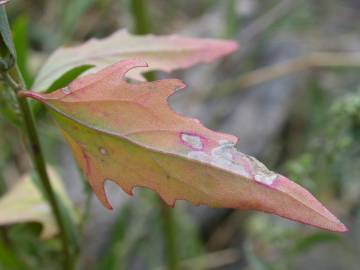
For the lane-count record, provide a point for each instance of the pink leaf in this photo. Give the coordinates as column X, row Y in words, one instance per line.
column 165, row 53
column 128, row 134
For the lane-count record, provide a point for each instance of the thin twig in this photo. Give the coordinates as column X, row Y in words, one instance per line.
column 265, row 21
column 262, row 75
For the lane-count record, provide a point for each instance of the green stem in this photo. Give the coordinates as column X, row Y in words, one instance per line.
column 87, row 208
column 231, row 18
column 169, row 226
column 39, row 162
column 3, row 230
column 3, row 187
column 142, row 26
column 141, row 21
column 5, row 237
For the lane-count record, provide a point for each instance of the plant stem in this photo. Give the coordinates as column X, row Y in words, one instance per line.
column 142, row 26
column 263, row 22
column 302, row 63
column 169, row 226
column 39, row 162
column 3, row 187
column 5, row 237
column 3, row 230
column 87, row 208
column 231, row 18
column 139, row 13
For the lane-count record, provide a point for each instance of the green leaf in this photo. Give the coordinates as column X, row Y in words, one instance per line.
column 310, row 241
column 7, row 48
column 9, row 260
column 68, row 77
column 8, row 111
column 21, row 43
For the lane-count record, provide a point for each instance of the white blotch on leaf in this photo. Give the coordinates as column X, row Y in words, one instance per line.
column 266, row 179
column 103, row 151
column 193, row 140
column 223, row 155
column 66, row 90
column 199, row 155
column 225, row 142
column 262, row 173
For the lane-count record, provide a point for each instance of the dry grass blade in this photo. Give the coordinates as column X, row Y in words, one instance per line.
column 313, row 60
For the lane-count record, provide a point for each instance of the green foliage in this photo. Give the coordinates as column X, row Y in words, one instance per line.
column 21, row 43
column 32, row 251
column 255, row 262
column 9, row 260
column 310, row 241
column 68, row 77
column 69, row 220
column 9, row 112
column 7, row 49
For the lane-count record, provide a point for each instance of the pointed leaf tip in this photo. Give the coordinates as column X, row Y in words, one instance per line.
column 310, row 210
column 127, row 133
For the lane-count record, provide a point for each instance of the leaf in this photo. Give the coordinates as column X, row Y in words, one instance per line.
column 8, row 111
column 68, row 77
column 164, row 53
column 305, row 243
column 21, row 43
column 7, row 49
column 9, row 260
column 63, row 81
column 25, row 203
column 128, row 134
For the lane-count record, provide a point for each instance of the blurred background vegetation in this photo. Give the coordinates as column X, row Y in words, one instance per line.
column 303, row 121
